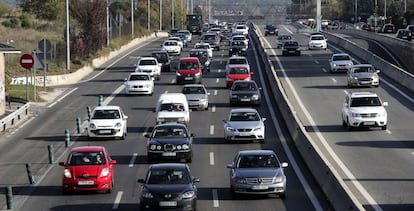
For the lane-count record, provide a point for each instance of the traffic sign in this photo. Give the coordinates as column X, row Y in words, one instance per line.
column 27, row 61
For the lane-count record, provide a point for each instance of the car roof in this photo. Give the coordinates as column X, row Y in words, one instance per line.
column 363, row 94
column 194, row 85
column 107, row 107
column 237, row 57
column 191, row 59
column 88, row 149
column 148, row 58
column 340, row 54
column 139, row 73
column 256, row 152
column 170, row 124
column 243, row 110
column 363, row 65
column 168, row 166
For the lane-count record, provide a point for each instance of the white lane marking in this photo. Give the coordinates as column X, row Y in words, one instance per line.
column 324, row 142
column 215, row 92
column 166, row 91
column 117, row 200
column 113, row 95
column 316, row 61
column 213, row 109
column 172, row 81
column 388, row 131
column 219, row 70
column 323, row 69
column 217, row 80
column 412, row 153
column 282, row 139
column 61, row 98
column 211, row 158
column 215, row 198
column 134, row 157
column 221, row 62
column 211, row 129
column 334, row 80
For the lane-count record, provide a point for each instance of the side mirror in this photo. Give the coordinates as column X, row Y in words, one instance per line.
column 385, row 103
column 264, row 119
column 161, row 45
column 112, row 162
column 208, row 93
column 125, row 79
column 125, row 117
column 192, row 135
column 141, row 181
column 195, row 179
column 230, row 166
column 377, row 71
column 284, row 165
column 61, row 163
column 251, row 73
column 146, row 135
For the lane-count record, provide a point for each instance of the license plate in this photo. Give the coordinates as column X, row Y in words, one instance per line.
column 245, row 99
column 168, row 154
column 259, row 187
column 105, row 131
column 369, row 123
column 168, row 203
column 188, row 78
column 244, row 134
column 365, row 82
column 86, row 182
column 291, row 51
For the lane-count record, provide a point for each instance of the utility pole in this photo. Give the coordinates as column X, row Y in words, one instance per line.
column 67, row 38
column 160, row 15
column 172, row 14
column 132, row 19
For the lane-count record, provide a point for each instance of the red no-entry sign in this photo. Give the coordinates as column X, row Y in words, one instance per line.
column 27, row 61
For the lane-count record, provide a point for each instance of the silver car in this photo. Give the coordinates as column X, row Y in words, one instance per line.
column 244, row 124
column 363, row 75
column 197, row 96
column 257, row 172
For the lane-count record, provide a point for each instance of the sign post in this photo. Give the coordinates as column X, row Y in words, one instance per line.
column 27, row 61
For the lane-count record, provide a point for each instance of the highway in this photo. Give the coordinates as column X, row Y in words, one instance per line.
column 211, row 154
column 376, row 165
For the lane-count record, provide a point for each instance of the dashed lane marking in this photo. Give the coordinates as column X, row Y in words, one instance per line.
column 211, row 129
column 117, row 200
column 211, row 158
column 134, row 157
column 215, row 92
column 213, row 109
column 215, row 198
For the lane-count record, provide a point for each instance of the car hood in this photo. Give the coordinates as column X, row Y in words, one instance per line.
column 238, row 76
column 171, row 114
column 172, row 47
column 169, row 141
column 105, row 123
column 86, row 170
column 364, row 75
column 367, row 109
column 161, row 189
column 195, row 96
column 245, row 124
column 258, row 172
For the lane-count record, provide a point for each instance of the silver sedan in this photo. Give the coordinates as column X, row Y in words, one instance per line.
column 363, row 75
column 244, row 124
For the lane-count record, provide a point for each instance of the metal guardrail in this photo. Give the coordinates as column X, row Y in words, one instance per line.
column 11, row 119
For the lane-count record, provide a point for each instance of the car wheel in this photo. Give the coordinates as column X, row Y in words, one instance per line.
column 123, row 136
column 282, row 195
column 350, row 128
column 206, row 108
column 262, row 141
column 384, row 127
column 234, row 194
column 110, row 189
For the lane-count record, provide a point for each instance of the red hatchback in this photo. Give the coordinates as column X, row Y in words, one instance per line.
column 88, row 168
column 189, row 70
column 237, row 73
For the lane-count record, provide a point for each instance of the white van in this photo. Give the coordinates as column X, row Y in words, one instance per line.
column 172, row 107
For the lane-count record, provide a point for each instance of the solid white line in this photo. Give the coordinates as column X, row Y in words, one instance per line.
column 213, row 109
column 117, row 200
column 61, row 98
column 334, row 80
column 324, row 142
column 215, row 198
column 134, row 157
column 211, row 129
column 211, row 158
column 217, row 80
column 316, row 61
column 215, row 92
column 282, row 139
column 113, row 95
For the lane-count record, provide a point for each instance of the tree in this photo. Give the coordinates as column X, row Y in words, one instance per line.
column 44, row 9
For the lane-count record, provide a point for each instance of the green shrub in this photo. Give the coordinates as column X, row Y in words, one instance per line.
column 25, row 22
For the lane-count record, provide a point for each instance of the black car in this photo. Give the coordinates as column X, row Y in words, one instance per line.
column 172, row 32
column 404, row 34
column 271, row 29
column 388, row 28
column 238, row 48
column 291, row 47
column 163, row 58
column 202, row 55
column 168, row 186
column 170, row 141
column 245, row 92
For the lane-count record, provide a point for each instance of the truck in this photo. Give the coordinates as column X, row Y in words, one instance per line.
column 195, row 23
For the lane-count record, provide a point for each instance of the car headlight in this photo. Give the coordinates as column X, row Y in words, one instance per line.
column 104, row 172
column 258, row 129
column 203, row 100
column 230, row 129
column 92, row 126
column 349, row 64
column 181, row 119
column 185, row 146
column 146, row 195
column 244, row 49
column 188, row 194
column 179, row 147
column 234, row 96
column 198, row 74
column 67, row 173
column 334, row 65
column 382, row 114
column 153, row 147
column 118, row 125
column 277, row 179
column 178, row 73
column 147, row 86
column 255, row 97
column 355, row 115
column 247, row 79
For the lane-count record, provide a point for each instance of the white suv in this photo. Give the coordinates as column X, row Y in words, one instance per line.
column 149, row 65
column 364, row 109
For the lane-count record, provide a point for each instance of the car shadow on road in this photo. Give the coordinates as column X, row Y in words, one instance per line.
column 400, row 144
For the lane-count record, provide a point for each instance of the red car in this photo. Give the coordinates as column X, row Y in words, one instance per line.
column 189, row 70
column 237, row 73
column 88, row 168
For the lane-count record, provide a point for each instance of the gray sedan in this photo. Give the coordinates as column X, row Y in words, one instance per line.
column 197, row 96
column 257, row 172
column 245, row 92
column 244, row 124
column 363, row 75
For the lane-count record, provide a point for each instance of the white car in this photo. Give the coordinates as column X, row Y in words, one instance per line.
column 340, row 62
column 237, row 61
column 107, row 122
column 240, row 38
column 188, row 34
column 363, row 75
column 364, row 109
column 205, row 46
column 139, row 83
column 172, row 107
column 242, row 28
column 179, row 41
column 317, row 41
column 149, row 65
column 172, row 47
column 244, row 124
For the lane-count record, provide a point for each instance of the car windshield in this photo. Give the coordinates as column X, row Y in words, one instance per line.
column 317, row 38
column 341, row 58
column 363, row 70
column 139, row 78
column 145, row 62
column 244, row 116
column 172, row 107
column 209, row 37
column 86, row 158
column 201, row 47
column 365, row 101
column 193, row 90
column 245, row 87
column 169, row 132
column 188, row 66
column 106, row 114
column 238, row 43
column 168, row 176
column 238, row 61
column 284, row 37
column 170, row 44
column 161, row 57
column 257, row 161
column 238, row 70
column 291, row 44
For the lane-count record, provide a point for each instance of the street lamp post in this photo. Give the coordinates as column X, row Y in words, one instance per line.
column 67, row 38
column 149, row 15
column 172, row 14
column 160, row 15
column 356, row 11
column 132, row 19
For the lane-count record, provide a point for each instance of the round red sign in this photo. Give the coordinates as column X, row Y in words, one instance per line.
column 27, row 61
